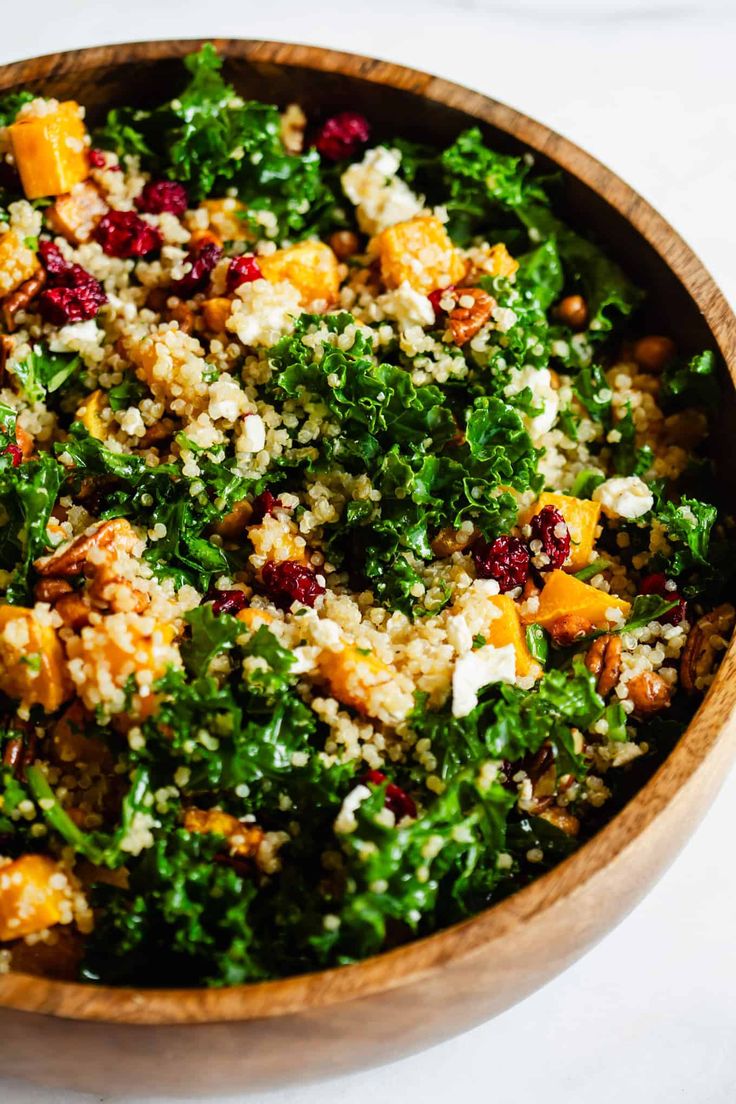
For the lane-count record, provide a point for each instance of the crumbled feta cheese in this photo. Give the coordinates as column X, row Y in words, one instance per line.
column 227, row 400
column 478, row 669
column 253, row 435
column 408, row 306
column 625, row 496
column 539, row 382
column 381, row 197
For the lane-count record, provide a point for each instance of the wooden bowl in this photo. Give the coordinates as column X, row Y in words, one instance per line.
column 323, row 1024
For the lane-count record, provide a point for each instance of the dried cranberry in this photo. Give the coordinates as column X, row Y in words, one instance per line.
column 342, row 135
column 657, row 584
column 159, row 196
column 71, row 294
column 263, row 505
column 228, row 601
column 243, row 270
column 289, row 581
column 550, row 527
column 15, row 452
column 96, row 158
column 506, row 560
column 436, row 297
column 202, row 260
column 397, row 800
column 126, row 234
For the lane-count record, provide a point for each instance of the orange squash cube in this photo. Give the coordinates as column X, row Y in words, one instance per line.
column 420, row 252
column 216, row 313
column 32, row 665
column 224, row 218
column 17, row 263
column 50, row 151
column 311, row 267
column 581, row 516
column 277, row 540
column 497, row 261
column 90, row 414
column 355, row 678
column 76, row 214
column 243, row 839
column 33, row 889
column 253, row 617
column 504, row 628
column 563, row 595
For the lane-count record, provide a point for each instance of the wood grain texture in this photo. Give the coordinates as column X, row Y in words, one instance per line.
column 113, row 1040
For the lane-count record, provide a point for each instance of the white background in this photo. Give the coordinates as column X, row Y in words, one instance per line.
column 649, row 86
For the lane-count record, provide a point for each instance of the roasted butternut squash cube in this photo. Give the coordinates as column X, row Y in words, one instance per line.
column 216, row 313
column 505, row 627
column 311, row 267
column 33, row 891
column 497, row 261
column 90, row 414
column 17, row 263
column 70, row 745
column 277, row 540
column 253, row 617
column 234, row 523
column 102, row 658
column 243, row 839
column 50, row 150
column 32, row 665
column 420, row 252
column 355, row 678
column 224, row 217
column 565, row 596
column 581, row 516
column 76, row 214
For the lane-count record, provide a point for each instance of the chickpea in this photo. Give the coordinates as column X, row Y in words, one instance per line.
column 653, row 353
column 572, row 311
column 344, row 244
column 649, row 693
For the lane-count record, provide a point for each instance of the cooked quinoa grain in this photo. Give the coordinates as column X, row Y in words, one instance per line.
column 349, row 578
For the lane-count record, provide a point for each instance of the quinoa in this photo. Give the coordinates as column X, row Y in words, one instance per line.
column 347, row 585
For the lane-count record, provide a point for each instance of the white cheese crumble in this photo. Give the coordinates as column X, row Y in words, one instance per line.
column 381, row 198
column 626, row 496
column 407, row 306
column 544, row 396
column 253, row 435
column 478, row 669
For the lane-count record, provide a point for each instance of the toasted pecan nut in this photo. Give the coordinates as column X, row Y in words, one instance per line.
column 649, row 693
column 560, row 818
column 158, row 433
column 21, row 297
column 116, row 594
column 603, row 659
column 569, row 628
column 72, row 559
column 705, row 640
column 6, row 349
column 467, row 318
column 344, row 244
column 49, row 589
column 73, row 610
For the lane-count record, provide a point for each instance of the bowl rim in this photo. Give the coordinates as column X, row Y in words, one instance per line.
column 713, row 723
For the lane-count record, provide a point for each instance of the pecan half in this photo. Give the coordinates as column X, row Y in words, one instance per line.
column 603, row 659
column 705, row 640
column 649, row 693
column 6, row 348
column 474, row 308
column 562, row 819
column 157, row 434
column 21, row 297
column 73, row 610
column 72, row 559
column 569, row 628
column 50, row 589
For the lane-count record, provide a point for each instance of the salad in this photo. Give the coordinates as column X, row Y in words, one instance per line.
column 358, row 557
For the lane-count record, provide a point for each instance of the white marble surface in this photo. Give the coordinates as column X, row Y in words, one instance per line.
column 649, row 86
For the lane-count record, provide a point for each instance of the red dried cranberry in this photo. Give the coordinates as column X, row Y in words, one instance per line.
column 243, row 270
column 342, row 136
column 97, row 159
column 397, row 800
column 657, row 584
column 263, row 505
column 436, row 297
column 506, row 560
column 159, row 196
column 15, row 452
column 71, row 294
column 228, row 601
column 550, row 527
column 289, row 581
column 202, row 260
column 126, row 234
